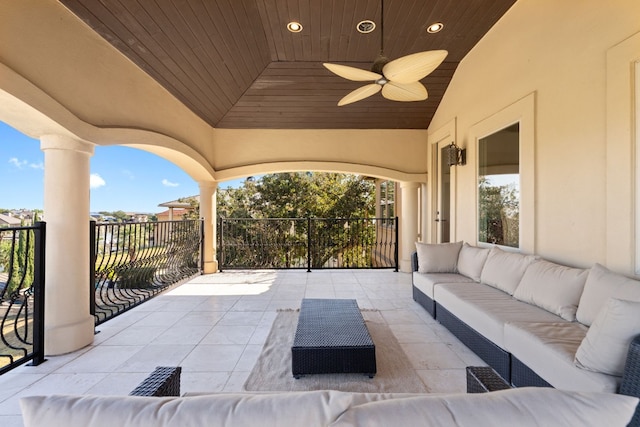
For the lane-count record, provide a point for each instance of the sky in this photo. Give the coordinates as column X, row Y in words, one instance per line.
column 122, row 178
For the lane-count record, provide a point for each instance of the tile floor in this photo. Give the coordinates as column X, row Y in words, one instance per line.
column 214, row 326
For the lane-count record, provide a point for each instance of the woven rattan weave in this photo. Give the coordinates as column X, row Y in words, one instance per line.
column 331, row 337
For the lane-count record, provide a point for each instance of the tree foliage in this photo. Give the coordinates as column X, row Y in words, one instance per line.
column 498, row 214
column 299, row 195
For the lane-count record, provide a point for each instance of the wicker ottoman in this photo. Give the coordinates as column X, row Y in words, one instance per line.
column 332, row 337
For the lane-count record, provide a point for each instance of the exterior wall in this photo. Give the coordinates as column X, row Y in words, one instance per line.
column 557, row 52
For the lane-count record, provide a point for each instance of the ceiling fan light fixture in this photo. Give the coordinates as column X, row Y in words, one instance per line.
column 294, row 27
column 435, row 28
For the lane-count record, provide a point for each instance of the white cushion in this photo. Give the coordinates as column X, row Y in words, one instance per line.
column 504, row 270
column 523, row 407
column 316, row 408
column 549, row 350
column 488, row 309
column 601, row 285
column 605, row 347
column 438, row 258
column 471, row 261
column 553, row 287
column 426, row 281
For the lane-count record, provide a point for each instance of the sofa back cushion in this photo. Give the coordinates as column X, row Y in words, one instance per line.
column 601, row 285
column 316, row 408
column 471, row 261
column 522, row 407
column 605, row 347
column 438, row 258
column 504, row 270
column 553, row 287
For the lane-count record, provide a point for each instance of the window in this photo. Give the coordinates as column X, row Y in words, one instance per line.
column 499, row 187
column 387, row 199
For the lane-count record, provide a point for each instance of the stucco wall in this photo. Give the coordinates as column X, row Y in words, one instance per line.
column 556, row 50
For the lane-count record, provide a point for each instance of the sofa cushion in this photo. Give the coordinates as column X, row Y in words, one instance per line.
column 487, row 309
column 316, row 408
column 471, row 260
column 438, row 258
column 549, row 350
column 554, row 287
column 601, row 285
column 604, row 348
column 523, row 407
column 426, row 281
column 504, row 270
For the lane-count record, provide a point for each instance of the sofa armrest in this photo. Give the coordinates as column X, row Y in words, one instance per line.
column 482, row 379
column 631, row 377
column 414, row 261
column 164, row 381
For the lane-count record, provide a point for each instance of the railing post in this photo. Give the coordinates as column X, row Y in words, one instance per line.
column 308, row 244
column 38, row 293
column 221, row 249
column 201, row 246
column 396, row 248
column 92, row 268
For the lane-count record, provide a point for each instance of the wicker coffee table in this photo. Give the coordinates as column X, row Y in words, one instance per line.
column 332, row 337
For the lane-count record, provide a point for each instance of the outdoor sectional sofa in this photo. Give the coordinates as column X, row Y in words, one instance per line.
column 157, row 402
column 537, row 323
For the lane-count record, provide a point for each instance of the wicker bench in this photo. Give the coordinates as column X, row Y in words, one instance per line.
column 331, row 337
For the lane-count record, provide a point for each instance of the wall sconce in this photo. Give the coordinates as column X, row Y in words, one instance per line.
column 456, row 155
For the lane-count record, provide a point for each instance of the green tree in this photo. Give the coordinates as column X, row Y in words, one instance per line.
column 302, row 195
column 498, row 214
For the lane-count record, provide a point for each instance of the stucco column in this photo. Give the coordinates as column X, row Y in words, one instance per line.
column 408, row 223
column 68, row 324
column 208, row 193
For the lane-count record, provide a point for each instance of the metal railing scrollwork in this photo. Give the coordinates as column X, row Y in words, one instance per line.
column 21, row 295
column 135, row 261
column 311, row 243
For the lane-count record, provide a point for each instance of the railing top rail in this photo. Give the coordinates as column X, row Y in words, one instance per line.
column 305, row 218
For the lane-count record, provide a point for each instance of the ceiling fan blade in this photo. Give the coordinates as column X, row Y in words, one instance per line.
column 352, row 73
column 405, row 92
column 414, row 67
column 360, row 93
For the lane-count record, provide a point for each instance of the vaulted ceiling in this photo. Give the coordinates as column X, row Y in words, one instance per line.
column 235, row 64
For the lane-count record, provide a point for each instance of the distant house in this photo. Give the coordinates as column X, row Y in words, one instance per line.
column 177, row 208
column 9, row 221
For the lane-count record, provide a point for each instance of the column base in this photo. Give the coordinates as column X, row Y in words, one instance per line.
column 65, row 339
column 404, row 265
column 210, row 267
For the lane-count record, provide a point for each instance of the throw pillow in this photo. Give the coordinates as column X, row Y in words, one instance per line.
column 604, row 348
column 471, row 261
column 504, row 270
column 601, row 285
column 553, row 287
column 438, row 258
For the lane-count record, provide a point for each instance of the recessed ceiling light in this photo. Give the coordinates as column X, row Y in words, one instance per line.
column 434, row 28
column 366, row 26
column 294, row 27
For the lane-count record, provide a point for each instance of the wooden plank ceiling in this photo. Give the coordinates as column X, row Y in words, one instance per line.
column 234, row 63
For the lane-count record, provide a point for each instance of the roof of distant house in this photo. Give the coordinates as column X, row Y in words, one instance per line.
column 183, row 202
column 9, row 220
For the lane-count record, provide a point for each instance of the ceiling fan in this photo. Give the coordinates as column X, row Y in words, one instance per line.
column 398, row 79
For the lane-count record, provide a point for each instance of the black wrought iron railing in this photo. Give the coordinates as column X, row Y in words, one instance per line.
column 21, row 295
column 309, row 243
column 135, row 261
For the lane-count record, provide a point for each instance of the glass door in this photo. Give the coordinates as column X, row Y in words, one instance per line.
column 443, row 207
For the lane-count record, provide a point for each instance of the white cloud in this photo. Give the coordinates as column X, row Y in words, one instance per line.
column 168, row 183
column 17, row 163
column 96, row 181
column 36, row 165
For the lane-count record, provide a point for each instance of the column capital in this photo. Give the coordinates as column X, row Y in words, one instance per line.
column 208, row 185
column 63, row 142
column 409, row 184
